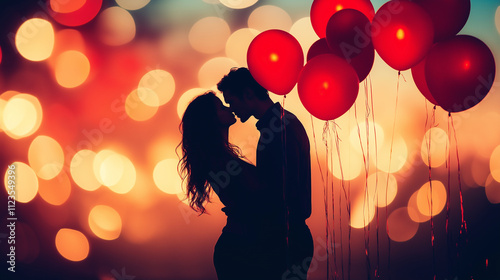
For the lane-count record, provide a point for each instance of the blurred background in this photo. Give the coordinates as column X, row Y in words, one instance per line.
column 91, row 94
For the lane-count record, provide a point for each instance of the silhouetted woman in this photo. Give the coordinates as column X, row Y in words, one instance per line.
column 210, row 162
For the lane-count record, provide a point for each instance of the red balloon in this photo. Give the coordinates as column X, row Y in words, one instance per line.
column 275, row 59
column 84, row 14
column 347, row 32
column 361, row 63
column 317, row 48
column 418, row 73
column 327, row 86
column 402, row 33
column 322, row 10
column 460, row 72
column 448, row 16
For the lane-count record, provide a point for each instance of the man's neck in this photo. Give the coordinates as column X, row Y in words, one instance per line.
column 262, row 108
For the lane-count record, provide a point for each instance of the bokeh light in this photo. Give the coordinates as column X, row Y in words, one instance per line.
column 209, row 35
column 55, row 191
column 303, row 31
column 479, row 169
column 99, row 168
column 82, row 170
column 358, row 138
column 382, row 188
column 128, row 179
column 269, row 17
column 492, row 190
column 66, row 6
column 66, row 40
column 132, row 4
column 35, row 39
column 186, row 98
column 400, row 227
column 237, row 45
column 413, row 211
column 114, row 171
column 362, row 212
column 72, row 69
column 111, row 169
column 136, row 109
column 161, row 83
column 439, row 143
column 4, row 97
column 72, row 244
column 3, row 102
column 22, row 116
column 80, row 16
column 166, row 177
column 211, row 71
column 148, row 97
column 242, row 4
column 435, row 200
column 24, row 183
column 105, row 222
column 350, row 164
column 46, row 157
column 116, row 26
column 495, row 164
column 392, row 160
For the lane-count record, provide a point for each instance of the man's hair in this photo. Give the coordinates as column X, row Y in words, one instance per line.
column 239, row 79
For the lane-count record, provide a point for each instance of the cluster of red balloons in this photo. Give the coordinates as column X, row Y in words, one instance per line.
column 452, row 71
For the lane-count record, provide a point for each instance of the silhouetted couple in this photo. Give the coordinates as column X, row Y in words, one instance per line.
column 266, row 236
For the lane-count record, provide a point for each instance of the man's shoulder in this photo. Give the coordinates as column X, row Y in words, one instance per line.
column 292, row 118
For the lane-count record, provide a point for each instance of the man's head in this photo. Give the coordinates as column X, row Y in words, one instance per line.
column 242, row 92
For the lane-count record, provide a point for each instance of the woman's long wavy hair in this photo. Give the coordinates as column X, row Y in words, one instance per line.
column 204, row 149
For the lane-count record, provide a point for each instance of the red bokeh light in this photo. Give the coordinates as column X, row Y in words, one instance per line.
column 84, row 14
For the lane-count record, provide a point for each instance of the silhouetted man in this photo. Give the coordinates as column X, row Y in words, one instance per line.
column 284, row 168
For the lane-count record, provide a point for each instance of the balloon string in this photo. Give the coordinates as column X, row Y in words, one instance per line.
column 388, row 173
column 463, row 224
column 429, row 160
column 365, row 200
column 325, row 137
column 325, row 199
column 337, row 143
column 377, row 271
column 448, row 198
column 333, row 219
column 369, row 82
column 333, row 207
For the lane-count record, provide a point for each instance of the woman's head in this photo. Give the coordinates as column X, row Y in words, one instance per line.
column 204, row 144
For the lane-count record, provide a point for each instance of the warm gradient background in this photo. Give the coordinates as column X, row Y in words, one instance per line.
column 115, row 208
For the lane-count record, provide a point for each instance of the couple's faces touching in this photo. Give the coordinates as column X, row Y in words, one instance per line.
column 224, row 114
column 240, row 106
